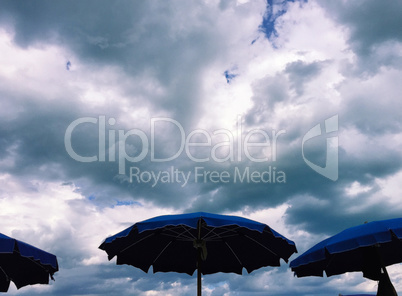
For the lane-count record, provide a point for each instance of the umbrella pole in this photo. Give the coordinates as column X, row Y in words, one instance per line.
column 198, row 272
column 385, row 286
column 199, row 283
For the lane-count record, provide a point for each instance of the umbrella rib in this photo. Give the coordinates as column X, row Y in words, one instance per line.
column 220, row 235
column 212, row 230
column 157, row 257
column 133, row 244
column 177, row 236
column 191, row 236
column 233, row 253
column 265, row 247
column 7, row 277
column 180, row 235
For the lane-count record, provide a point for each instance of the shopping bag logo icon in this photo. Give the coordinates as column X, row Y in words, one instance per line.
column 330, row 170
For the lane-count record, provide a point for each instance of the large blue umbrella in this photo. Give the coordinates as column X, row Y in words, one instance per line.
column 369, row 248
column 205, row 242
column 24, row 264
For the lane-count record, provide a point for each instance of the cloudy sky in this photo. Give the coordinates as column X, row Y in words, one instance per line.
column 286, row 112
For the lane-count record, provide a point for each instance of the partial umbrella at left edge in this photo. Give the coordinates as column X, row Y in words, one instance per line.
column 24, row 264
column 206, row 242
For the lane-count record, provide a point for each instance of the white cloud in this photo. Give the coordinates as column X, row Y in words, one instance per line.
column 306, row 31
column 356, row 188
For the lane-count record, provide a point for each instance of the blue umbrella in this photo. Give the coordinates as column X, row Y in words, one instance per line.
column 205, row 242
column 24, row 264
column 369, row 248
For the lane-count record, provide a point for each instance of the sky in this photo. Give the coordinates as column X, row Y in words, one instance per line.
column 285, row 112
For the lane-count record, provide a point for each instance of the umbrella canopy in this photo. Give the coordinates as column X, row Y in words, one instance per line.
column 24, row 264
column 368, row 248
column 207, row 242
column 354, row 249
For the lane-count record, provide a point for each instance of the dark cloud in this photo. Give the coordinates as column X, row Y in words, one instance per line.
column 300, row 72
column 152, row 38
column 366, row 107
column 372, row 25
column 362, row 111
column 268, row 92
